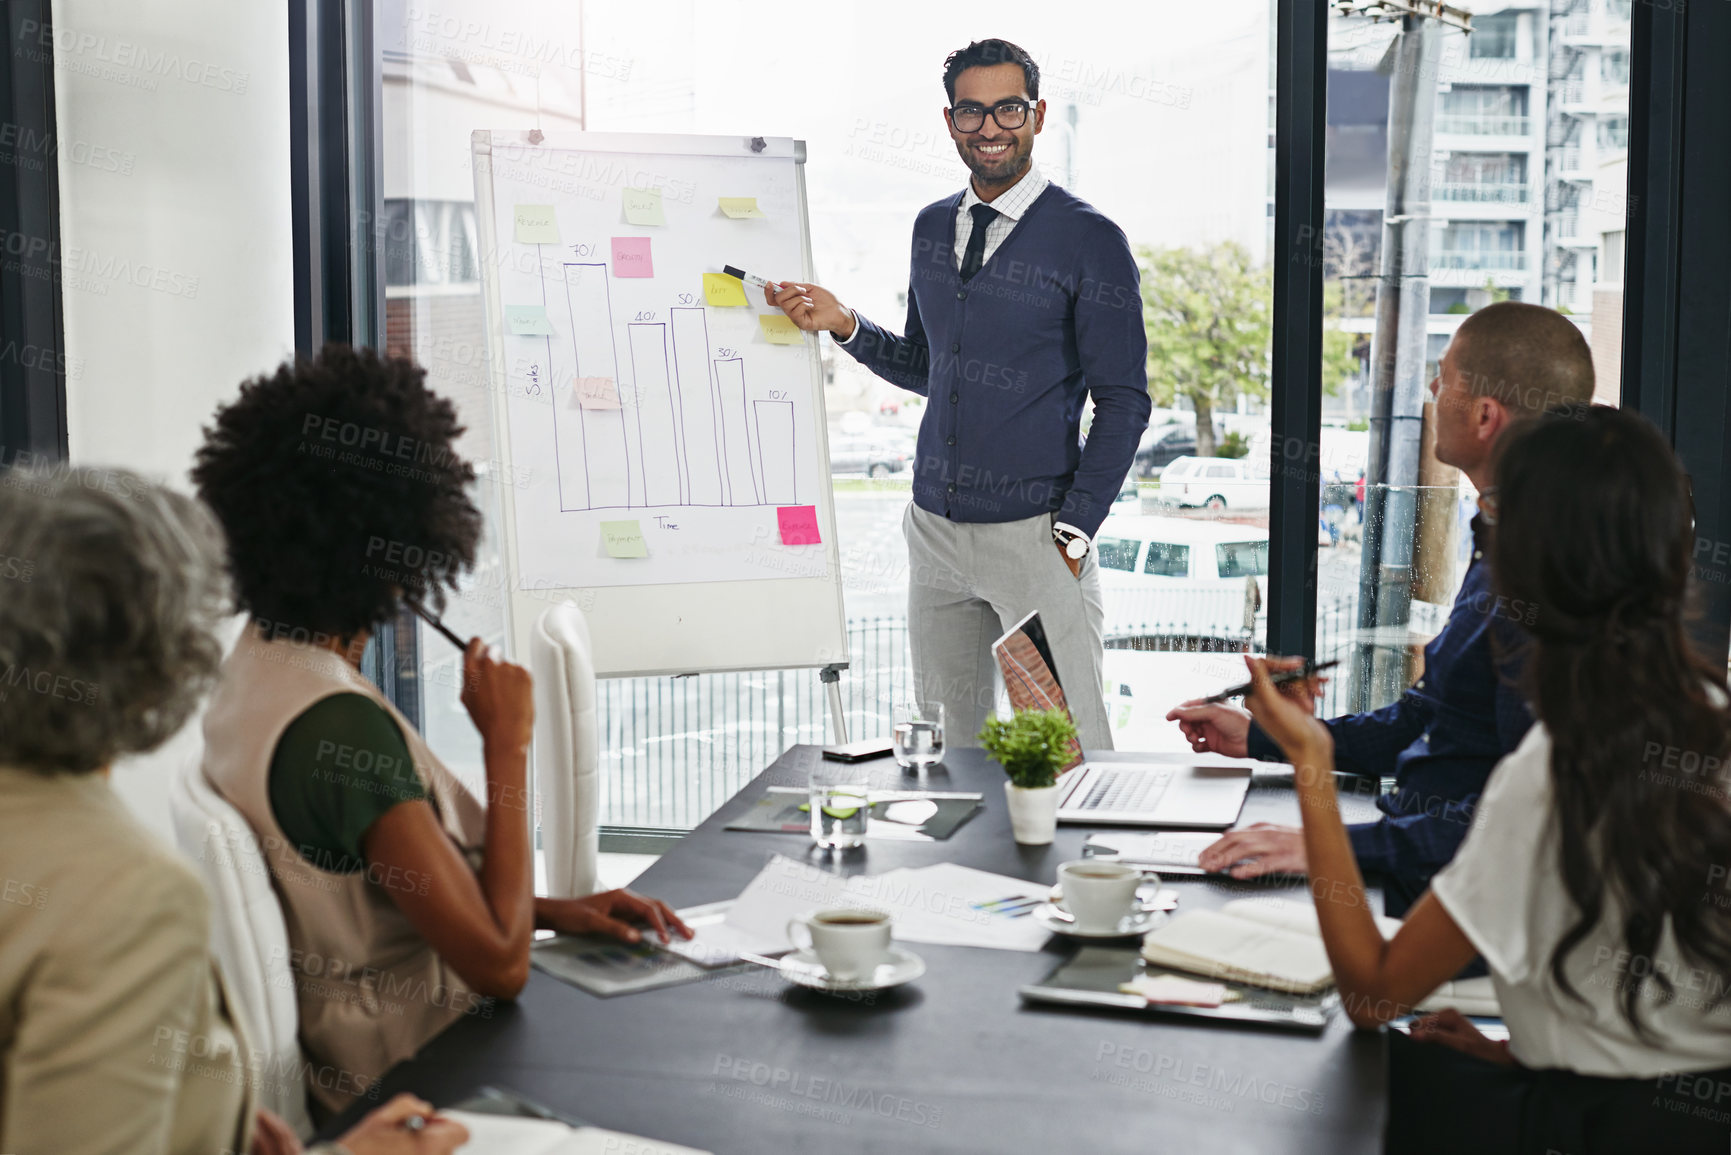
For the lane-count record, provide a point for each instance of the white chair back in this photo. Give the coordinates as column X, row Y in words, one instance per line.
column 567, row 751
column 248, row 938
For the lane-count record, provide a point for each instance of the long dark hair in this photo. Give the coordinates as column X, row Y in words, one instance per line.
column 1594, row 529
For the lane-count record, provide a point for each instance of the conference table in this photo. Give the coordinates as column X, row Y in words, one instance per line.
column 743, row 1062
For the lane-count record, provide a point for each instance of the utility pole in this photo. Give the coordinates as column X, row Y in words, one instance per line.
column 1398, row 348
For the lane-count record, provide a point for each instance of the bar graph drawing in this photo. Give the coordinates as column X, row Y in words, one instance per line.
column 687, row 429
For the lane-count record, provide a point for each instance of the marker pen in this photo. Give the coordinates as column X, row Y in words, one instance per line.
column 750, row 278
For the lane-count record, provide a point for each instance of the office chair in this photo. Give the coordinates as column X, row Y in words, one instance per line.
column 567, row 751
column 248, row 937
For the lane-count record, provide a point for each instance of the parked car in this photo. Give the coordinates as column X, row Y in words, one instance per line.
column 1216, row 483
column 1161, row 446
column 1178, row 576
column 863, row 455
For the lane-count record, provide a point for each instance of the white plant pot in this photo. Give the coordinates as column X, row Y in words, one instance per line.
column 1033, row 813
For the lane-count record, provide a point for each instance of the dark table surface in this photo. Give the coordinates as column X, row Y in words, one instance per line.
column 742, row 1063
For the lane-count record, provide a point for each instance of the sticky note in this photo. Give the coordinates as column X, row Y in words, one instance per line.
column 528, row 320
column 721, row 289
column 535, row 225
column 631, row 257
column 623, row 539
column 643, row 206
column 741, row 208
column 798, row 525
column 596, row 392
column 779, row 328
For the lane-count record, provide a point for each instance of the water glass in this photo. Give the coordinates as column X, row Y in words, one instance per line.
column 919, row 735
column 839, row 803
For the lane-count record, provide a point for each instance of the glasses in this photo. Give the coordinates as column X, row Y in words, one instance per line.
column 971, row 117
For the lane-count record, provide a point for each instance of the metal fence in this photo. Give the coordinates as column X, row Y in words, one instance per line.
column 674, row 749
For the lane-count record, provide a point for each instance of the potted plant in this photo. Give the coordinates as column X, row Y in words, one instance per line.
column 1032, row 747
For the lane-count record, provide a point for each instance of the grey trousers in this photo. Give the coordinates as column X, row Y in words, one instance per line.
column 970, row 582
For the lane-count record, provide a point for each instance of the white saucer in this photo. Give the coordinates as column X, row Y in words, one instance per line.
column 803, row 968
column 1057, row 921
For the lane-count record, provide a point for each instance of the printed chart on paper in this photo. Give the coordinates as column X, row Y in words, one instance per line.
column 662, row 419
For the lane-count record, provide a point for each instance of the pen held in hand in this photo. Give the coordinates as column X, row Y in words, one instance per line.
column 1308, row 670
column 426, row 616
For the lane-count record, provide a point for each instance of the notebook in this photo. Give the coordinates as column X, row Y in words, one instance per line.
column 1270, row 943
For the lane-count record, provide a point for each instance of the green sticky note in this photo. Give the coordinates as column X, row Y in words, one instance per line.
column 643, row 206
column 535, row 225
column 721, row 289
column 623, row 539
column 528, row 320
column 741, row 208
column 780, row 329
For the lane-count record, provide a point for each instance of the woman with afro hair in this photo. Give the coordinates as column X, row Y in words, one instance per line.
column 326, row 476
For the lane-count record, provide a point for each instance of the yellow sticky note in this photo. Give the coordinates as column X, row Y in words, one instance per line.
column 723, row 290
column 623, row 539
column 741, row 208
column 643, row 206
column 779, row 329
column 536, row 226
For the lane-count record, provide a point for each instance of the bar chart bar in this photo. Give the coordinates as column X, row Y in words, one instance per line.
column 774, row 421
column 699, row 406
column 658, row 419
column 607, row 456
column 737, row 449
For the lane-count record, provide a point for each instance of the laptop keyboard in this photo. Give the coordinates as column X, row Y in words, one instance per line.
column 1127, row 790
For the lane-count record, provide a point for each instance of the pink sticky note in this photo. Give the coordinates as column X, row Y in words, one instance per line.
column 596, row 392
column 798, row 525
column 631, row 257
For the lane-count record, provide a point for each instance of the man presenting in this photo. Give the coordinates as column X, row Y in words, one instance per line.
column 1441, row 739
column 1023, row 302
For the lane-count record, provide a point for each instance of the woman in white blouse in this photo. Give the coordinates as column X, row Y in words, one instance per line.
column 1594, row 879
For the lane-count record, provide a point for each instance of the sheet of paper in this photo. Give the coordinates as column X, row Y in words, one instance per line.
column 798, row 524
column 951, row 905
column 528, row 320
column 514, row 1135
column 723, row 291
column 741, row 208
column 536, row 226
column 780, row 329
column 1172, row 990
column 624, row 538
column 643, row 206
column 631, row 257
column 596, row 392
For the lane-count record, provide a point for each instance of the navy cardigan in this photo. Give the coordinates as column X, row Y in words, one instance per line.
column 1007, row 358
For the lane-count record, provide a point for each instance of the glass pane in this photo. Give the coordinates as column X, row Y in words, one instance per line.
column 1117, row 553
column 1197, row 79
column 1167, row 560
column 1236, row 559
column 1523, row 162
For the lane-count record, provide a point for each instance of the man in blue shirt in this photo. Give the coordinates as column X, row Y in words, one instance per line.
column 1024, row 302
column 1440, row 739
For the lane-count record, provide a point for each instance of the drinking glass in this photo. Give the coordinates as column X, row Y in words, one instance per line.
column 919, row 735
column 839, row 801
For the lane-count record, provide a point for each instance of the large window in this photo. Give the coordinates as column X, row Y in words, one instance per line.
column 1517, row 218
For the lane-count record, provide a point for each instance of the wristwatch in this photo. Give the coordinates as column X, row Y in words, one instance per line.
column 1074, row 544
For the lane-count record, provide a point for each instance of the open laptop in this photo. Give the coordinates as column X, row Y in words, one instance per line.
column 1120, row 793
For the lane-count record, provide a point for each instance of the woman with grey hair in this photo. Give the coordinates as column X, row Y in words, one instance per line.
column 114, row 1032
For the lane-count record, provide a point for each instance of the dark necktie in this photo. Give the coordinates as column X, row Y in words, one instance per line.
column 975, row 256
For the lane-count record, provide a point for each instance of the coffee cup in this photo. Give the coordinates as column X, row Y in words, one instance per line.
column 1098, row 894
column 849, row 942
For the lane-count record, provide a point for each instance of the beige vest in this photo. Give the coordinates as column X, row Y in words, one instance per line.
column 370, row 989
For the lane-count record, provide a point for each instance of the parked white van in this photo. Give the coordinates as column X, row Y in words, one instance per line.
column 1216, row 483
column 1181, row 577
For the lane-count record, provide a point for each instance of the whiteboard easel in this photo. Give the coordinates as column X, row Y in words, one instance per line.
column 777, row 607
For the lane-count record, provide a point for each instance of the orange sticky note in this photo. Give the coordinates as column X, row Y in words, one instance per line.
column 596, row 392
column 631, row 257
column 798, row 525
